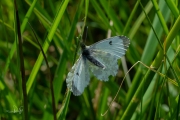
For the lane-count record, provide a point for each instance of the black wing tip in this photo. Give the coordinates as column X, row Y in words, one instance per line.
column 75, row 91
column 125, row 39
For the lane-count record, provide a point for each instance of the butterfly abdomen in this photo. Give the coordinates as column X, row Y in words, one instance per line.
column 87, row 55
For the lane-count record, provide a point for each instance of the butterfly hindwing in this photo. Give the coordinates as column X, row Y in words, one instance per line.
column 78, row 78
column 110, row 62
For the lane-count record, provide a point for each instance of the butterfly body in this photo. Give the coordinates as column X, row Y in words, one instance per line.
column 100, row 59
column 86, row 53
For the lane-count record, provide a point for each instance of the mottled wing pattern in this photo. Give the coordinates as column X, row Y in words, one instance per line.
column 108, row 51
column 78, row 78
column 110, row 62
column 115, row 45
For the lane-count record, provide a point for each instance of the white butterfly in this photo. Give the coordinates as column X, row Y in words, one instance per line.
column 100, row 59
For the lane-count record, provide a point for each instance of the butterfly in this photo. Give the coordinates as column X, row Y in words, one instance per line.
column 100, row 59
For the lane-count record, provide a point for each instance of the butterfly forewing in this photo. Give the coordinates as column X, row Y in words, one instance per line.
column 79, row 77
column 115, row 45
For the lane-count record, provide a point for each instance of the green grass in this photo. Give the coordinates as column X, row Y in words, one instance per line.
column 153, row 28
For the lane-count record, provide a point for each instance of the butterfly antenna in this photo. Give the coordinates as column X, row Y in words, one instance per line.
column 84, row 37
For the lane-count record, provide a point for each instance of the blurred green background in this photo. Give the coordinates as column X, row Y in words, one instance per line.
column 146, row 93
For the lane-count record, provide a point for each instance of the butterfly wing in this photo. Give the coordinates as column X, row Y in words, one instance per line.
column 115, row 45
column 110, row 62
column 107, row 52
column 78, row 78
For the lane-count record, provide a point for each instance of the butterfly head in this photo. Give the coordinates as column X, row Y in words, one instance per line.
column 83, row 46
